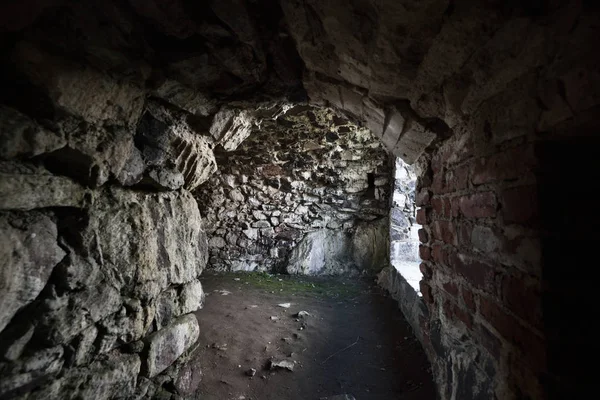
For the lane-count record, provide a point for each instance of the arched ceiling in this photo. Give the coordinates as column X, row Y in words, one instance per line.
column 410, row 70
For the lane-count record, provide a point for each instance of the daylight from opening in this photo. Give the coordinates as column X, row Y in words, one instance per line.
column 404, row 248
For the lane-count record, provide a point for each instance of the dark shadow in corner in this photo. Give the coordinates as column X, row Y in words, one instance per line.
column 568, row 187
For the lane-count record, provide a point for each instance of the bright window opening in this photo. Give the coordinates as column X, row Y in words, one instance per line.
column 403, row 226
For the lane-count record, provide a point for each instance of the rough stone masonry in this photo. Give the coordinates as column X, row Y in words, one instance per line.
column 306, row 193
column 114, row 116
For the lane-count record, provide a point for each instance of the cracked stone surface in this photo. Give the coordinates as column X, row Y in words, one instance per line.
column 126, row 129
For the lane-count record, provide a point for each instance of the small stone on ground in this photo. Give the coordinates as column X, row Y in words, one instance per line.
column 284, row 364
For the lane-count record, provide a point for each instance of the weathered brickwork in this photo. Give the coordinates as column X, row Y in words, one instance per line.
column 478, row 221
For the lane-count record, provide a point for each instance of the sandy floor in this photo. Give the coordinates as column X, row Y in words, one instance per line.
column 355, row 341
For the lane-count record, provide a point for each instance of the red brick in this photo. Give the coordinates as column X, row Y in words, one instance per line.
column 457, row 179
column 451, row 288
column 441, row 206
column 444, row 231
column 510, row 164
column 438, row 183
column 423, row 236
column 455, row 206
column 468, row 299
column 437, row 204
column 520, row 204
column 523, row 298
column 437, row 253
column 489, row 341
column 478, row 274
column 455, row 313
column 422, row 216
column 423, row 198
column 524, row 339
column 425, row 270
column 425, row 253
column 464, row 234
column 498, row 318
column 463, row 316
column 478, row 205
column 426, row 292
column 447, row 207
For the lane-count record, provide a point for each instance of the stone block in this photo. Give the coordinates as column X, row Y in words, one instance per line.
column 39, row 189
column 190, row 100
column 394, row 128
column 168, row 344
column 230, row 127
column 167, row 142
column 413, row 142
column 112, row 376
column 31, row 371
column 20, row 136
column 29, row 251
column 423, row 198
column 80, row 91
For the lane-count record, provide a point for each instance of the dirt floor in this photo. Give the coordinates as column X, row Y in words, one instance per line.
column 355, row 341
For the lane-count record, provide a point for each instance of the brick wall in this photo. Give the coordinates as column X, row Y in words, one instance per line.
column 481, row 259
column 507, row 225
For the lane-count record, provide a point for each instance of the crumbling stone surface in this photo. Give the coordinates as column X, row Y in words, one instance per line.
column 166, row 345
column 27, row 187
column 476, row 93
column 29, row 254
column 175, row 154
column 23, row 137
column 97, row 262
column 307, row 184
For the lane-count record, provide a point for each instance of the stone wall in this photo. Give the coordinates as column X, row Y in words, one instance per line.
column 101, row 243
column 488, row 97
column 306, row 193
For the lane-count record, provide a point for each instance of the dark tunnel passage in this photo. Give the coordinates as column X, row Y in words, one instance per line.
column 142, row 142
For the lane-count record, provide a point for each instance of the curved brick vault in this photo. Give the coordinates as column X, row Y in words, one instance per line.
column 111, row 114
